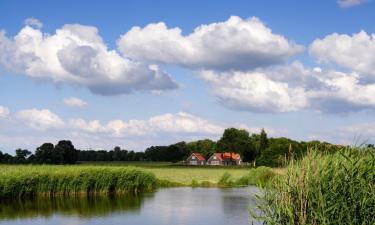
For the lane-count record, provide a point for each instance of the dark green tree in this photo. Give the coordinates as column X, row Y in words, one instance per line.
column 45, row 153
column 65, row 153
column 21, row 155
column 239, row 141
column 263, row 141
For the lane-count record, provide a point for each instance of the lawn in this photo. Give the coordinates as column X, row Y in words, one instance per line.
column 185, row 175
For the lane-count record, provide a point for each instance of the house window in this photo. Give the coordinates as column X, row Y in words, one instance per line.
column 193, row 162
column 193, row 157
column 215, row 163
column 214, row 157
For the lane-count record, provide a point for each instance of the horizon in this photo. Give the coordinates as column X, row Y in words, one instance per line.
column 144, row 74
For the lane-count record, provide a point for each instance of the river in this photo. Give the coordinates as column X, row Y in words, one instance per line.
column 167, row 206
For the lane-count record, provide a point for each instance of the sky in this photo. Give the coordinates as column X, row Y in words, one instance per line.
column 141, row 73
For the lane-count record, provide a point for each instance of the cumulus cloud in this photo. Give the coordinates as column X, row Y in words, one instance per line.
column 350, row 3
column 233, row 44
column 178, row 123
column 40, row 119
column 356, row 52
column 254, row 91
column 74, row 102
column 291, row 87
column 32, row 22
column 4, row 112
column 76, row 54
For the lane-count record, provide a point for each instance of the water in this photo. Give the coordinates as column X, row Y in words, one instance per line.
column 170, row 206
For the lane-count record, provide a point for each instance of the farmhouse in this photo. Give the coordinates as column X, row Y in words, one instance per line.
column 196, row 159
column 224, row 159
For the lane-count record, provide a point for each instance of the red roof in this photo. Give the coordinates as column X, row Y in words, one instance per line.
column 227, row 155
column 199, row 156
column 218, row 155
column 235, row 156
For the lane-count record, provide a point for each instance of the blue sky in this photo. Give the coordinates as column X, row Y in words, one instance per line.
column 144, row 73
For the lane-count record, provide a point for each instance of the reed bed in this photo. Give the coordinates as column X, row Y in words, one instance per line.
column 322, row 189
column 22, row 181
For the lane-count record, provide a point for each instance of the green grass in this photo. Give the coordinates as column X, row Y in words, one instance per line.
column 120, row 178
column 323, row 189
column 31, row 180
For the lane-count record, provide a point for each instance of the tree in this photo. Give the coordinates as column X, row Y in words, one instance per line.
column 263, row 141
column 44, row 153
column 21, row 155
column 205, row 147
column 239, row 141
column 65, row 153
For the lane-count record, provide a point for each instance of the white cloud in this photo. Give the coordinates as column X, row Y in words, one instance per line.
column 75, row 102
column 350, row 3
column 32, row 22
column 254, row 91
column 76, row 54
column 40, row 119
column 291, row 88
column 356, row 52
column 4, row 112
column 233, row 44
column 179, row 123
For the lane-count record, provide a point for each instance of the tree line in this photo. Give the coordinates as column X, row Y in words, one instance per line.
column 253, row 148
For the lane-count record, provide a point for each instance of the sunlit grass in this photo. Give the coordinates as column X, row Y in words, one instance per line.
column 324, row 188
column 32, row 180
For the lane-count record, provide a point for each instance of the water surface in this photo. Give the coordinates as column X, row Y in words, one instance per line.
column 170, row 206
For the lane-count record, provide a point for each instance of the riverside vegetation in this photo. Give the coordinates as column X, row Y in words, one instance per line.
column 51, row 180
column 25, row 181
column 323, row 188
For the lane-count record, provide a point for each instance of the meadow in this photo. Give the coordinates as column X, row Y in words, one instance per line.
column 120, row 178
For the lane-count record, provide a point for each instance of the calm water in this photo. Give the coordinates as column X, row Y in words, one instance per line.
column 171, row 206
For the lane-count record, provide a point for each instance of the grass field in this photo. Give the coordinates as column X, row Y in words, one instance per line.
column 186, row 175
column 20, row 180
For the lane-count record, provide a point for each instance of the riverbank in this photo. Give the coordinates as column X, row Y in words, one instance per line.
column 32, row 180
column 324, row 188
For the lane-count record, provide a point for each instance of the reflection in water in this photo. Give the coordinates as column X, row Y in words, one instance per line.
column 84, row 207
column 176, row 206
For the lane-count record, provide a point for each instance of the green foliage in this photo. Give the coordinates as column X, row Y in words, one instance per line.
column 20, row 181
column 260, row 176
column 239, row 141
column 205, row 147
column 324, row 188
column 171, row 153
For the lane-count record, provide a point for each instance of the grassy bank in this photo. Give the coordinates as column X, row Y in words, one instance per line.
column 335, row 188
column 32, row 180
column 20, row 181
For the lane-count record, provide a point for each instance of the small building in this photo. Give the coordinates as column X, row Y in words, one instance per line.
column 215, row 160
column 225, row 159
column 195, row 159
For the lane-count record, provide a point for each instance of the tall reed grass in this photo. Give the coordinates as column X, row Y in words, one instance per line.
column 322, row 189
column 21, row 181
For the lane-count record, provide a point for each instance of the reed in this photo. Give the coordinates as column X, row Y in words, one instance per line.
column 323, row 188
column 22, row 181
